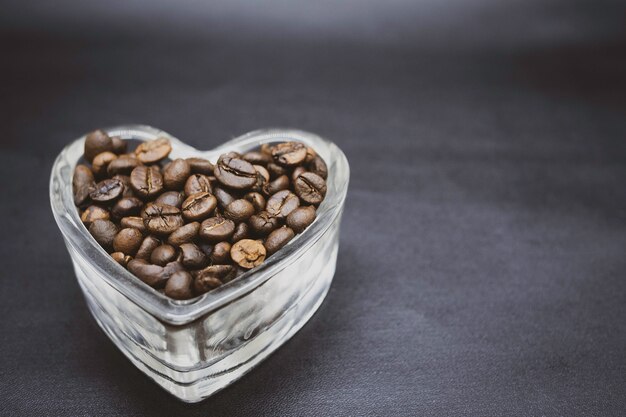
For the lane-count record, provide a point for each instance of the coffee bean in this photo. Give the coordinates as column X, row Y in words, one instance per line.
column 221, row 253
column 263, row 223
column 289, row 153
column 221, row 273
column 121, row 259
column 200, row 166
column 127, row 206
column 301, row 218
column 310, row 155
column 107, row 190
column 248, row 253
column 103, row 231
column 257, row 200
column 82, row 184
column 205, row 247
column 217, row 229
column 97, row 142
column 163, row 254
column 179, row 285
column 93, row 213
column 134, row 222
column 127, row 241
column 310, row 187
column 123, row 165
column 198, row 206
column 224, row 198
column 125, row 180
column 175, row 174
column 257, row 158
column 146, row 181
column 184, row 234
column 154, row 275
column 235, row 173
column 282, row 203
column 205, row 283
column 162, row 219
column 318, row 166
column 149, row 244
column 242, row 231
column 192, row 256
column 197, row 183
column 279, row 184
column 276, row 170
column 262, row 178
column 153, row 150
column 100, row 163
column 172, row 198
column 277, row 239
column 266, row 148
column 119, row 145
column 239, row 210
column 296, row 173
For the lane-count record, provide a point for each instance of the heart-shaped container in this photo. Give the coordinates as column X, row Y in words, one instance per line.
column 196, row 347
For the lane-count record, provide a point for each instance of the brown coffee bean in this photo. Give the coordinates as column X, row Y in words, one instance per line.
column 239, row 210
column 310, row 187
column 224, row 198
column 184, row 234
column 123, row 165
column 149, row 244
column 276, row 170
column 101, row 162
column 82, row 183
column 257, row 200
column 301, row 218
column 310, row 155
column 146, row 181
column 279, row 184
column 221, row 253
column 163, row 254
column 135, row 222
column 248, row 253
column 277, row 239
column 107, row 190
column 119, row 145
column 121, row 259
column 104, row 232
column 153, row 151
column 296, row 173
column 175, row 174
column 199, row 206
column 192, row 256
column 217, row 229
column 289, row 153
column 264, row 173
column 198, row 183
column 125, row 180
column 266, row 148
column 171, row 198
column 93, row 213
column 179, row 285
column 257, row 158
column 235, row 173
column 263, row 223
column 127, row 206
column 162, row 219
column 97, row 142
column 205, row 283
column 127, row 241
column 282, row 203
column 154, row 275
column 200, row 166
column 242, row 231
column 318, row 166
column 212, row 277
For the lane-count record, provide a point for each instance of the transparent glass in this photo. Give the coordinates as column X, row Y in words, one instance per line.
column 196, row 347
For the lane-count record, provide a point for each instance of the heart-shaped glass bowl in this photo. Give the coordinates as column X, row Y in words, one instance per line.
column 196, row 347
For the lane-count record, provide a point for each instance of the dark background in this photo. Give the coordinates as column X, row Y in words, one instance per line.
column 482, row 266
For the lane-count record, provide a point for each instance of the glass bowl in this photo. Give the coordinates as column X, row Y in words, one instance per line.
column 196, row 347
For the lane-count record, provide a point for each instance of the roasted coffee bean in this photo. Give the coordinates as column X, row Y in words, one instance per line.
column 154, row 275
column 296, row 173
column 192, row 256
column 135, row 222
column 93, row 213
column 310, row 187
column 257, row 158
column 239, row 210
column 82, row 184
column 125, row 180
column 266, row 148
column 179, row 285
column 235, row 173
column 123, row 165
column 107, row 190
column 121, row 259
column 104, row 232
column 205, row 247
column 97, row 142
column 257, row 200
column 200, row 166
column 263, row 223
column 277, row 239
column 242, row 231
column 205, row 283
column 282, row 203
column 149, row 244
column 127, row 206
column 310, row 155
column 264, row 173
column 217, row 229
column 162, row 219
column 101, row 162
column 184, row 234
column 289, row 153
column 153, row 151
column 198, row 183
column 221, row 253
column 119, row 145
column 223, row 273
column 224, row 198
column 279, row 184
column 276, row 170
column 146, row 181
column 248, row 253
column 127, row 241
column 172, row 198
column 175, row 174
column 301, row 218
column 163, row 254
column 199, row 206
column 318, row 166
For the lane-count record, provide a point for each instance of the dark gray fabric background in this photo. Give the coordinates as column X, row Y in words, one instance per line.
column 482, row 266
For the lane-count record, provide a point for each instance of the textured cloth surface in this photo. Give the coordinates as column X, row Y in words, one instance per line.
column 482, row 264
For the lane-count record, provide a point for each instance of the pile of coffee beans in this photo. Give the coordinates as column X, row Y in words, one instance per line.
column 187, row 226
